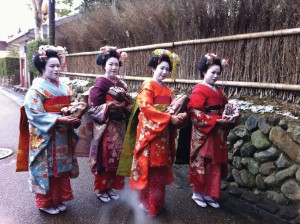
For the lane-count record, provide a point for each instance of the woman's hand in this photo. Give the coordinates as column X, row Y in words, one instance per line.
column 68, row 120
column 176, row 121
column 182, row 120
column 182, row 116
column 222, row 122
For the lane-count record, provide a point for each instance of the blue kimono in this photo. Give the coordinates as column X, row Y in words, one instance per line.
column 51, row 145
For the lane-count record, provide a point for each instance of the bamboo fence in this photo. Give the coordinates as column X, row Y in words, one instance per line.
column 264, row 64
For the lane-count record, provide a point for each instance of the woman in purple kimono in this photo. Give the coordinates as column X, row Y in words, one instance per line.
column 51, row 137
column 110, row 107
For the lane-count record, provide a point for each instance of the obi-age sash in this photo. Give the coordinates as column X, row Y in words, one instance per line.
column 53, row 104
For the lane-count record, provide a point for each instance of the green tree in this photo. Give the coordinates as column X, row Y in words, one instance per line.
column 64, row 7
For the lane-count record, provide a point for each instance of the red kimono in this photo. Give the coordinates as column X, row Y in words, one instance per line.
column 154, row 150
column 209, row 154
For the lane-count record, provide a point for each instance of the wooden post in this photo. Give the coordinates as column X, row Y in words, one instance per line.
column 51, row 25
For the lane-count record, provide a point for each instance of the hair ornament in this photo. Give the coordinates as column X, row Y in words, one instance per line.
column 106, row 51
column 61, row 53
column 211, row 56
column 225, row 62
column 124, row 57
column 174, row 58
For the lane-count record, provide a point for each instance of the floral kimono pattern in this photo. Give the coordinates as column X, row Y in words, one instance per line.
column 155, row 140
column 108, row 128
column 50, row 145
column 208, row 142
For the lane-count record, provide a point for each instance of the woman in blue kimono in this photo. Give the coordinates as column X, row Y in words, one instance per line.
column 51, row 137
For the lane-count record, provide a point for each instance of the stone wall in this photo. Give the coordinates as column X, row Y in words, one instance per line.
column 264, row 157
column 264, row 153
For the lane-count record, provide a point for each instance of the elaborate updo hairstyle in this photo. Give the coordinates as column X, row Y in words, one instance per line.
column 40, row 59
column 160, row 55
column 45, row 52
column 106, row 53
column 155, row 60
column 211, row 59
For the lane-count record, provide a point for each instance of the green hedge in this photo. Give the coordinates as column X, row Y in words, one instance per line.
column 8, row 66
column 33, row 46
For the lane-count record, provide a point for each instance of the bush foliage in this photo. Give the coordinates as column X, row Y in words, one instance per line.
column 32, row 46
column 9, row 66
column 141, row 22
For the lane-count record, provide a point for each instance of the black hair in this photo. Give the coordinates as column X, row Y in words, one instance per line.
column 204, row 64
column 40, row 63
column 155, row 60
column 102, row 58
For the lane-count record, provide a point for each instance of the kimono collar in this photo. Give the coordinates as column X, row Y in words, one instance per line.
column 54, row 82
column 213, row 87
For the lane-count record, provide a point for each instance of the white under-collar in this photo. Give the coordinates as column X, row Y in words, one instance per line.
column 213, row 87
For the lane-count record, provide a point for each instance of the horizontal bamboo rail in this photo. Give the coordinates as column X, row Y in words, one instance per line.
column 274, row 33
column 222, row 83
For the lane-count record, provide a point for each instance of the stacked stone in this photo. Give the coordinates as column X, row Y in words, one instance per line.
column 78, row 86
column 264, row 157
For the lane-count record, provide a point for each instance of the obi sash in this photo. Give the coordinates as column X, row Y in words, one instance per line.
column 161, row 103
column 55, row 104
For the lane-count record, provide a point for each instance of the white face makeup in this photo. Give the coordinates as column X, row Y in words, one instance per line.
column 212, row 74
column 52, row 69
column 161, row 72
column 112, row 67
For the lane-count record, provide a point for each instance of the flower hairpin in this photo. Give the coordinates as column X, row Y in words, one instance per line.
column 160, row 52
column 61, row 53
column 123, row 56
column 211, row 56
column 174, row 58
column 225, row 62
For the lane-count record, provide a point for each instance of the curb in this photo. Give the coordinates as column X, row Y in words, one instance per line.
column 13, row 95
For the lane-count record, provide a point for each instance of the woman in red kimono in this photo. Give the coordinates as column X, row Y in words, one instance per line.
column 208, row 156
column 110, row 118
column 154, row 150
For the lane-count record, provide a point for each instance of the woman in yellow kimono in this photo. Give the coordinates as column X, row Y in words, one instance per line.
column 154, row 150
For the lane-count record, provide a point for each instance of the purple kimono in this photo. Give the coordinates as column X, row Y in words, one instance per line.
column 109, row 127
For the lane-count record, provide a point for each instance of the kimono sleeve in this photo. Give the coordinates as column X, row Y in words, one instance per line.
column 97, row 93
column 36, row 114
column 196, row 107
column 158, row 119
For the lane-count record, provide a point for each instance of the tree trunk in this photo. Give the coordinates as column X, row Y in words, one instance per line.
column 38, row 16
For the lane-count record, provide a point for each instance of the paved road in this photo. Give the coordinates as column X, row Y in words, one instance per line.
column 17, row 204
